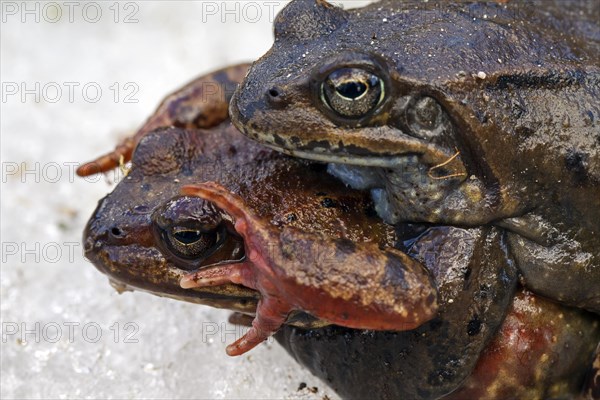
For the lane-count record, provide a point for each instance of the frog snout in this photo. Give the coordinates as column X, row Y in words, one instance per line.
column 95, row 238
column 247, row 106
column 98, row 241
column 238, row 116
column 92, row 247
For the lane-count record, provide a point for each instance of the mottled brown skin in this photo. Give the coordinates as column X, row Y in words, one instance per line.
column 488, row 115
column 539, row 352
column 434, row 360
column 202, row 103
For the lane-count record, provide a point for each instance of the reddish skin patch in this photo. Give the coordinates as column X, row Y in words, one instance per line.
column 540, row 344
column 360, row 286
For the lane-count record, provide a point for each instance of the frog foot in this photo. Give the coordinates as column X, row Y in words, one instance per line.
column 190, row 107
column 271, row 312
column 119, row 156
column 272, row 309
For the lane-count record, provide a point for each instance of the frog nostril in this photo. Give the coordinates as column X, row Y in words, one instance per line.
column 116, row 232
column 275, row 95
column 274, row 92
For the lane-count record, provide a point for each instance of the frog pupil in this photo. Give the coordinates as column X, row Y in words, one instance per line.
column 192, row 243
column 187, row 237
column 352, row 90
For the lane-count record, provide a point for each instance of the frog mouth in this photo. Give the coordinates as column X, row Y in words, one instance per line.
column 225, row 298
column 391, row 150
column 442, row 165
column 324, row 153
column 323, row 156
column 161, row 279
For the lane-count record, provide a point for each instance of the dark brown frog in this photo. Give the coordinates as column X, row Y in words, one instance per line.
column 453, row 113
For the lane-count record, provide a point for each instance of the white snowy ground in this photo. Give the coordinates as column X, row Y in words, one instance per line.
column 65, row 332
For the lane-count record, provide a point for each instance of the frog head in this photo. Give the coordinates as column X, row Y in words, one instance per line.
column 320, row 93
column 416, row 94
column 145, row 236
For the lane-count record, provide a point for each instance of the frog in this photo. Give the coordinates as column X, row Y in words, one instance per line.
column 465, row 114
column 150, row 244
column 131, row 237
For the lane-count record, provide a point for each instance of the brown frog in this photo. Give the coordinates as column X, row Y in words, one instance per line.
column 452, row 113
column 149, row 243
column 146, row 236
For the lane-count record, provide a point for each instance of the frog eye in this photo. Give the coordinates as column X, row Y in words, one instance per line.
column 352, row 92
column 192, row 243
column 425, row 117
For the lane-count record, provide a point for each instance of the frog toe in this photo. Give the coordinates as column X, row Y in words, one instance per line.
column 119, row 156
column 271, row 313
column 238, row 273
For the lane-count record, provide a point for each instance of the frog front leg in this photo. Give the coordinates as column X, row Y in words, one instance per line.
column 356, row 285
column 202, row 103
column 271, row 313
column 556, row 263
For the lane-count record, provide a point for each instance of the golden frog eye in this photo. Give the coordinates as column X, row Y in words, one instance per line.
column 192, row 243
column 352, row 92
